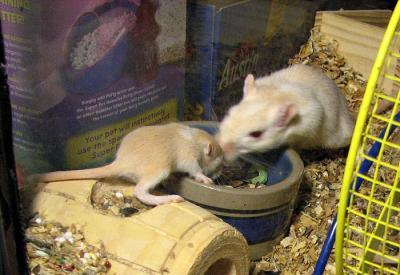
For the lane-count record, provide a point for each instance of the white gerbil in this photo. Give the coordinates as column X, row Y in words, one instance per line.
column 150, row 154
column 297, row 106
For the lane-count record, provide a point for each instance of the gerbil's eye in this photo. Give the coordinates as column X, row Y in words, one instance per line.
column 255, row 134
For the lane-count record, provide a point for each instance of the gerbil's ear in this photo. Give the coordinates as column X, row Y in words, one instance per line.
column 208, row 150
column 286, row 114
column 249, row 85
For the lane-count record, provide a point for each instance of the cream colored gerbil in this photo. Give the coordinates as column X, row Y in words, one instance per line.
column 298, row 106
column 150, row 154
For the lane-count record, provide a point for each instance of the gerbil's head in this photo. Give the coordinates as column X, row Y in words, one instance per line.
column 258, row 123
column 212, row 160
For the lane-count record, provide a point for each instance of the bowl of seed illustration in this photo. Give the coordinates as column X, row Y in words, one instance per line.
column 97, row 46
column 255, row 194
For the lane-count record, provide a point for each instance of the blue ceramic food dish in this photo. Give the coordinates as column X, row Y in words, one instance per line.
column 262, row 215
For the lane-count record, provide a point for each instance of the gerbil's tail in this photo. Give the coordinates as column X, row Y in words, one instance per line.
column 93, row 173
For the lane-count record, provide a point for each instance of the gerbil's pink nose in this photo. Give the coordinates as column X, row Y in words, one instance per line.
column 228, row 147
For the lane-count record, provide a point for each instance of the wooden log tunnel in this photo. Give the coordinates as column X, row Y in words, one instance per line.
column 177, row 238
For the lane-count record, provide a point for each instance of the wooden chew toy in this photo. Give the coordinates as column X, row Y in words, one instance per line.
column 178, row 238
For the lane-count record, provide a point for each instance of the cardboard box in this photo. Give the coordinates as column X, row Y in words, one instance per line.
column 221, row 51
column 84, row 73
column 229, row 39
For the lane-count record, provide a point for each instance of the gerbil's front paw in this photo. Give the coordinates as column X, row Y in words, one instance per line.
column 202, row 178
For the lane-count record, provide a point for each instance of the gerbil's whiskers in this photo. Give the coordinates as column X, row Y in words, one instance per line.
column 259, row 160
column 213, row 116
column 225, row 177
